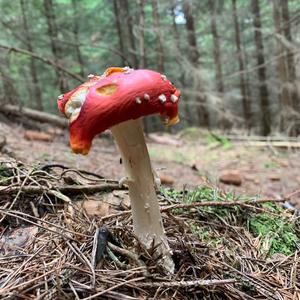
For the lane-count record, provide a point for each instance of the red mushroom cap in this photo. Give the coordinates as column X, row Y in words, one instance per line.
column 120, row 94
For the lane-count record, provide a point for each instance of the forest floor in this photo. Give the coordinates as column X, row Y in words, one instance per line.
column 186, row 160
column 67, row 234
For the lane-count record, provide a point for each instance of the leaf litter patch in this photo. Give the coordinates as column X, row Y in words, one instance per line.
column 56, row 242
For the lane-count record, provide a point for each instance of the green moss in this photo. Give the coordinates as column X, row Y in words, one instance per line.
column 218, row 139
column 205, row 234
column 208, row 194
column 4, row 171
column 170, row 193
column 278, row 233
column 5, row 174
column 271, row 165
column 275, row 228
column 212, row 194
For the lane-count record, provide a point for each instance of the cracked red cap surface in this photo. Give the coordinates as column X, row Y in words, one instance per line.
column 120, row 94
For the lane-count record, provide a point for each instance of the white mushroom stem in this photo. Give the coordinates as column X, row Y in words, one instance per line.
column 147, row 220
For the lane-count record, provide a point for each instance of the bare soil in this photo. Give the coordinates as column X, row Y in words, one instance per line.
column 186, row 160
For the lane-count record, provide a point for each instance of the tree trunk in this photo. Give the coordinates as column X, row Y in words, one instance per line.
column 193, row 56
column 241, row 61
column 10, row 93
column 222, row 120
column 191, row 34
column 119, row 30
column 55, row 46
column 287, row 34
column 127, row 32
column 284, row 95
column 261, row 71
column 76, row 37
column 178, row 56
column 291, row 69
column 142, row 60
column 216, row 46
column 35, row 87
column 158, row 41
column 174, row 24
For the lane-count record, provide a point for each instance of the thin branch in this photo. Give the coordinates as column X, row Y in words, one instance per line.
column 67, row 189
column 222, row 203
column 185, row 284
column 127, row 282
column 19, row 215
column 44, row 60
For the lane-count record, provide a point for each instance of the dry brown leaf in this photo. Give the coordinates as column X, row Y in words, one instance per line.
column 18, row 238
column 95, row 207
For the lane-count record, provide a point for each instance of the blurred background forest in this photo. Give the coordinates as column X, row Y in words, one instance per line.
column 236, row 62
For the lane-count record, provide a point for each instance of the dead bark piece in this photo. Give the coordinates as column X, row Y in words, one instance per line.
column 32, row 135
column 33, row 114
column 65, row 189
column 231, row 177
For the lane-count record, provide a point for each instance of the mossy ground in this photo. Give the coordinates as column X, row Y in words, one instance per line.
column 276, row 229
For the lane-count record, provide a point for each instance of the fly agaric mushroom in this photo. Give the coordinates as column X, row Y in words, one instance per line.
column 117, row 100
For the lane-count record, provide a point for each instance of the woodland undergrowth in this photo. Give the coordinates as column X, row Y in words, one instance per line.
column 224, row 246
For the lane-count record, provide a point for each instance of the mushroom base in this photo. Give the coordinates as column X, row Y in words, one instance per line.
column 147, row 220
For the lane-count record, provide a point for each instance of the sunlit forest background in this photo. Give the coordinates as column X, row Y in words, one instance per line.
column 236, row 62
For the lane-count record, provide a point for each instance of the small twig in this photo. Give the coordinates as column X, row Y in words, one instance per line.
column 114, row 287
column 74, row 291
column 119, row 296
column 221, row 203
column 10, row 276
column 81, row 172
column 83, row 259
column 132, row 256
column 24, row 284
column 19, row 215
column 259, row 283
column 116, row 260
column 67, row 169
column 112, row 216
column 184, row 284
column 34, row 210
column 245, row 204
column 289, row 196
column 18, row 194
column 70, row 189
